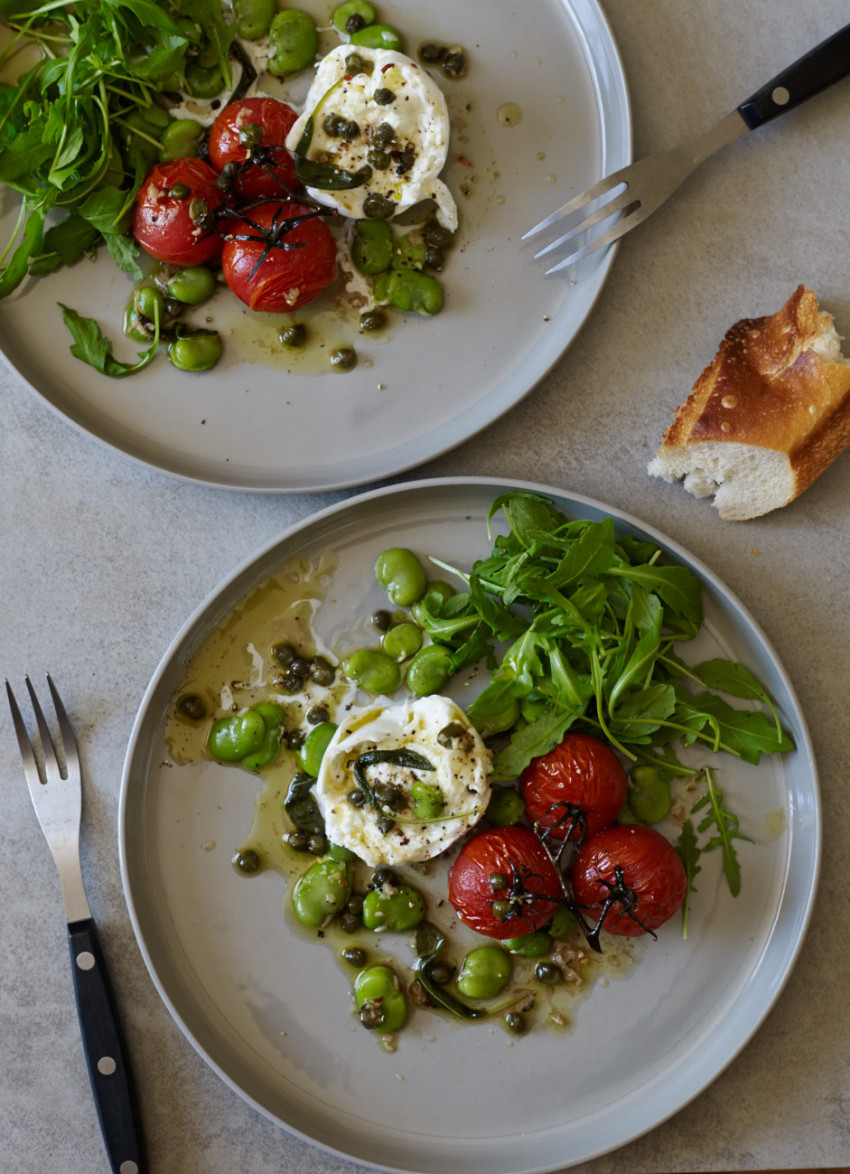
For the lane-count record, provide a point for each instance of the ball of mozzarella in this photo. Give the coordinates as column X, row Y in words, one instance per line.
column 417, row 114
column 433, row 727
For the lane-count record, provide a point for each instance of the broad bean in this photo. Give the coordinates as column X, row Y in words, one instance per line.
column 400, row 573
column 562, row 924
column 393, row 908
column 402, row 641
column 196, row 351
column 180, row 138
column 192, row 286
column 293, row 42
column 266, row 752
column 204, row 82
column 254, row 17
column 374, row 671
column 484, row 972
column 377, row 36
column 429, row 670
column 361, row 11
column 505, row 807
column 530, row 945
column 380, row 999
column 648, row 795
column 231, row 738
column 321, row 892
column 428, row 801
column 407, row 289
column 372, row 246
column 314, row 746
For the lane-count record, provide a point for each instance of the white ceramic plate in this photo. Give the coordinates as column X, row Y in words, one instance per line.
column 271, row 1013
column 430, row 383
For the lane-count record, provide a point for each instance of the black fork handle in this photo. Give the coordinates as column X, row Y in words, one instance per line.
column 106, row 1052
column 822, row 66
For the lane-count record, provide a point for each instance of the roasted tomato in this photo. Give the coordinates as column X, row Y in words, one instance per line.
column 503, row 883
column 174, row 219
column 576, row 790
column 278, row 257
column 637, row 872
column 251, row 134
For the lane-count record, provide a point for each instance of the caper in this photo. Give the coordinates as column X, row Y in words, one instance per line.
column 192, row 706
column 385, row 824
column 435, row 234
column 404, row 163
column 247, row 861
column 300, row 667
column 378, row 159
column 295, row 740
column 447, row 736
column 373, row 320
column 356, row 798
column 381, row 877
column 179, row 191
column 355, row 904
column 442, row 973
column 354, row 23
column 344, row 358
column 318, row 713
column 322, row 672
column 502, row 910
column 381, row 619
column 382, row 135
column 432, row 52
column 384, row 96
column 199, row 213
column 497, row 880
column 454, row 64
column 349, row 922
column 317, row 845
column 434, row 258
column 294, row 335
column 298, row 841
column 378, row 207
column 515, row 1022
column 372, row 1013
column 355, row 64
column 354, row 956
column 548, row 973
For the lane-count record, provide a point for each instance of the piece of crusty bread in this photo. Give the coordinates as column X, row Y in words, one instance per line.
column 766, row 417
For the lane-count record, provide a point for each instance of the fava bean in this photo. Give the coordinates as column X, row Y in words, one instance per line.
column 402, row 641
column 380, row 999
column 321, row 892
column 400, row 573
column 648, row 795
column 395, row 909
column 530, row 945
column 198, row 351
column 497, row 723
column 374, row 671
column 180, row 138
column 429, row 670
column 377, row 36
column 505, row 807
column 362, row 12
column 293, row 42
column 253, row 17
column 231, row 738
column 409, row 290
column 314, row 746
column 192, row 286
column 149, row 302
column 428, row 801
column 484, row 972
column 372, row 246
column 204, row 83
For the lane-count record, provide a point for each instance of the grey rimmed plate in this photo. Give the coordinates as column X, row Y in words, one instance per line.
column 542, row 113
column 271, row 1012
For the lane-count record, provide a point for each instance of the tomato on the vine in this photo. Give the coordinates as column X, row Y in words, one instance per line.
column 575, row 790
column 251, row 133
column 503, row 883
column 638, row 871
column 278, row 256
column 174, row 219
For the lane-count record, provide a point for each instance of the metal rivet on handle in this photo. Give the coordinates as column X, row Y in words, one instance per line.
column 128, row 1168
column 85, row 960
column 106, row 1065
column 781, row 96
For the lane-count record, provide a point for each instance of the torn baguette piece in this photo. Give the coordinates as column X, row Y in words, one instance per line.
column 766, row 417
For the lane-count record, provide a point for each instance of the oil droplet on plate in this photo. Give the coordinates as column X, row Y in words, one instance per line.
column 510, row 114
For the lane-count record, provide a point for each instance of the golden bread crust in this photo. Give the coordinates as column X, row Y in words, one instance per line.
column 767, row 387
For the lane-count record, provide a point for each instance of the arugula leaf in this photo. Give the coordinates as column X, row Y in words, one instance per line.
column 689, row 852
column 93, row 348
column 727, row 830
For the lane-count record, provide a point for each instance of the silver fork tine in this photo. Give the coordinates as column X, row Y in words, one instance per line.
column 24, row 745
column 624, row 201
column 52, row 767
column 600, row 188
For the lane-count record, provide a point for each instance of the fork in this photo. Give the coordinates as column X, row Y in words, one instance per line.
column 635, row 191
column 57, row 797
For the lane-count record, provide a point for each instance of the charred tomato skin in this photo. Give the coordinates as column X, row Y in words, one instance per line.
column 288, row 278
column 514, row 853
column 168, row 205
column 581, row 771
column 273, row 121
column 651, row 868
